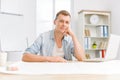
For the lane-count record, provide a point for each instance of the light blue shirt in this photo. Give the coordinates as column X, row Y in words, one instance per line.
column 44, row 45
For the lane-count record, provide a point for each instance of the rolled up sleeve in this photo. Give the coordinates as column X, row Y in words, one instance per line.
column 35, row 47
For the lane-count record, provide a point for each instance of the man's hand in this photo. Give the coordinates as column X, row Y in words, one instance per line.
column 56, row 59
column 68, row 31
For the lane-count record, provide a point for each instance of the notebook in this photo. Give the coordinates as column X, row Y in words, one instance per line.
column 111, row 51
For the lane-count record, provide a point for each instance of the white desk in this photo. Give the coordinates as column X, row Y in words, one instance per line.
column 57, row 71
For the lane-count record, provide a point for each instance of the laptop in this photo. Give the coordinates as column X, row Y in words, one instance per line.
column 112, row 49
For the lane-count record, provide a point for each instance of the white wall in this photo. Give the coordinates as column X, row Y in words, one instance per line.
column 29, row 11
column 109, row 5
column 15, row 29
column 115, row 16
column 114, row 6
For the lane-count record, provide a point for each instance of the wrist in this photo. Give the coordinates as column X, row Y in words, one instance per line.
column 48, row 59
column 72, row 35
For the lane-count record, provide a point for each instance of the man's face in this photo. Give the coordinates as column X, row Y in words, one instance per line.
column 62, row 23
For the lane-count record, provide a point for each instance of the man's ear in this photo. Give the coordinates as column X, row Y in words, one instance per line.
column 54, row 21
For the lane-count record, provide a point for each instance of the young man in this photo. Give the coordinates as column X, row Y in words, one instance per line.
column 57, row 45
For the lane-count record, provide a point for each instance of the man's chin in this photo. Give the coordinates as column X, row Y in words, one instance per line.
column 62, row 31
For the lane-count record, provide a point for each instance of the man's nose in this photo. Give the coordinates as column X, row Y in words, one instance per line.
column 64, row 24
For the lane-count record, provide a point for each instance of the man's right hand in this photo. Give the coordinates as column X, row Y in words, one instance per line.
column 56, row 59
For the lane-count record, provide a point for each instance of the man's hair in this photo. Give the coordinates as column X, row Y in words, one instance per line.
column 63, row 12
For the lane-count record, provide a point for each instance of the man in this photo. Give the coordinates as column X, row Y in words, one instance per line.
column 57, row 45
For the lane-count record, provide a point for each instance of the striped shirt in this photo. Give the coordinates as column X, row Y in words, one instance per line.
column 44, row 45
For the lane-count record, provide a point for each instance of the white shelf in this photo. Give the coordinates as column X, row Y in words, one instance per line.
column 95, row 37
column 94, row 49
column 94, row 25
column 14, row 14
column 97, row 33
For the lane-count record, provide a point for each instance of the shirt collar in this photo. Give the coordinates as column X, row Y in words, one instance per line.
column 52, row 35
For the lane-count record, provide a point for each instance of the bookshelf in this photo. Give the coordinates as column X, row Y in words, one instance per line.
column 94, row 31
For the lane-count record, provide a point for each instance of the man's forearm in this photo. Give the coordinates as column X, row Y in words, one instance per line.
column 78, row 49
column 27, row 57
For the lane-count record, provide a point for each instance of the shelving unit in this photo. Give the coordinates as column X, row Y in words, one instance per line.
column 94, row 31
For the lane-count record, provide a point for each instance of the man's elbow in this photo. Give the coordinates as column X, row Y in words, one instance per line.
column 80, row 58
column 25, row 57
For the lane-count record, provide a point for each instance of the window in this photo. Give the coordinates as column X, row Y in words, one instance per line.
column 46, row 11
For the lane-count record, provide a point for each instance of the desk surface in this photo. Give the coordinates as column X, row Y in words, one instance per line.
column 108, row 71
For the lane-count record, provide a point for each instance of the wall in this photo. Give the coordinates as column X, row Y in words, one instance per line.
column 29, row 11
column 14, row 30
column 114, row 6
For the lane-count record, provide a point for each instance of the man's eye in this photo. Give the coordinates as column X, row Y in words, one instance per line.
column 61, row 21
column 67, row 22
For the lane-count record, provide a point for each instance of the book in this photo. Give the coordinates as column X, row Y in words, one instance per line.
column 89, row 43
column 100, row 54
column 87, row 32
column 99, row 31
column 103, row 53
column 103, row 45
column 105, row 31
column 86, row 43
column 102, row 31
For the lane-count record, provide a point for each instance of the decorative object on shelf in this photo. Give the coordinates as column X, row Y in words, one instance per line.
column 87, row 56
column 94, row 45
column 94, row 19
column 87, row 32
